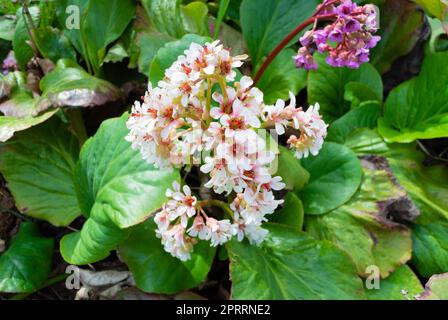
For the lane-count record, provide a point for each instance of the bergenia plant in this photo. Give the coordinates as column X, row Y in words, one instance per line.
column 201, row 115
column 283, row 149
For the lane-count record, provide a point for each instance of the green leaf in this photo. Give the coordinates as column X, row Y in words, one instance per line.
column 281, row 77
column 428, row 189
column 365, row 116
column 391, row 288
column 357, row 93
column 436, row 288
column 20, row 104
column 430, row 243
column 361, row 227
column 335, row 176
column 222, row 11
column 231, row 38
column 38, row 166
column 401, row 28
column 147, row 42
column 169, row 53
column 155, row 270
column 365, row 142
column 116, row 189
column 166, row 16
column 10, row 125
column 266, row 22
column 425, row 184
column 97, row 29
column 116, row 54
column 291, row 214
column 54, row 45
column 22, row 50
column 97, row 238
column 7, row 27
column 100, row 29
column 291, row 265
column 234, row 9
column 404, row 119
column 26, row 264
column 70, row 86
column 194, row 16
column 68, row 11
column 435, row 8
column 438, row 40
column 293, row 174
column 327, row 85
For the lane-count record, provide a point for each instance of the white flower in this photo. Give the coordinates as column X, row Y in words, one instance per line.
column 161, row 219
column 225, row 105
column 176, row 242
column 275, row 184
column 313, row 130
column 182, row 118
column 279, row 115
column 240, row 117
column 199, row 229
column 220, row 231
column 182, row 204
column 255, row 234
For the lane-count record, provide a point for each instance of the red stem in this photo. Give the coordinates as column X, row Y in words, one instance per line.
column 285, row 42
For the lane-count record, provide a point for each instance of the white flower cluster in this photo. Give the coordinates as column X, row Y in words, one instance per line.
column 199, row 115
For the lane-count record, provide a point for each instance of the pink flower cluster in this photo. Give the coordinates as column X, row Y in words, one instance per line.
column 347, row 40
column 199, row 115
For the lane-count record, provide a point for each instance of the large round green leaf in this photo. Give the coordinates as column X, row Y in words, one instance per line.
column 404, row 118
column 364, row 116
column 327, row 86
column 38, row 165
column 155, row 270
column 428, row 189
column 391, row 288
column 335, row 176
column 26, row 264
column 116, row 189
column 361, row 227
column 291, row 265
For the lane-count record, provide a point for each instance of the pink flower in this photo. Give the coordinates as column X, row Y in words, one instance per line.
column 347, row 40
